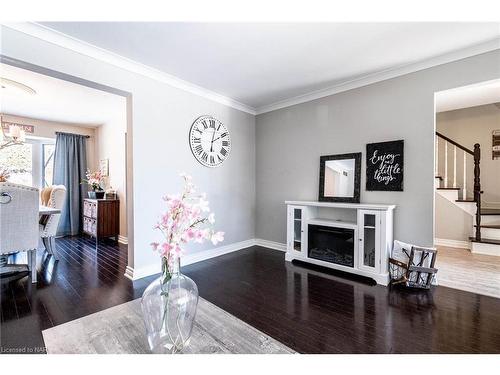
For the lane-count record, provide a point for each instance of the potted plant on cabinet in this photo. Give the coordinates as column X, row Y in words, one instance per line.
column 94, row 180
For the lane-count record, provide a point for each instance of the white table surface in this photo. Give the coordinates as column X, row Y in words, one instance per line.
column 44, row 210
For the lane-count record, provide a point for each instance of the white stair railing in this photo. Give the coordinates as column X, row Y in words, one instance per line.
column 454, row 166
column 464, row 193
column 458, row 163
column 476, row 155
column 445, row 163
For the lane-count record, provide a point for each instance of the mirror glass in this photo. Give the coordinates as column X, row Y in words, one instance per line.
column 339, row 178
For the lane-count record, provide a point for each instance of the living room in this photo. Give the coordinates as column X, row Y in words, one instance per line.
column 280, row 190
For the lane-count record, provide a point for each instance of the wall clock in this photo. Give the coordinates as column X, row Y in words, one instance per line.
column 210, row 141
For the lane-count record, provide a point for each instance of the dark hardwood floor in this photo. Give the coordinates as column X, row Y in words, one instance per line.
column 306, row 309
column 84, row 280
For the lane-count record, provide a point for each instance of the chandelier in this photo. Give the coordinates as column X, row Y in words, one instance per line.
column 15, row 136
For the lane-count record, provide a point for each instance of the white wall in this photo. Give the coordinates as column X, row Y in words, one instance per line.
column 161, row 117
column 452, row 223
column 110, row 144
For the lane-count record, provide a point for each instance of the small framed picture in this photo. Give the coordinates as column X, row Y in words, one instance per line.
column 104, row 167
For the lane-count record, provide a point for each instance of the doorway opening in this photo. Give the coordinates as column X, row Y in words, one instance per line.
column 60, row 105
column 467, row 187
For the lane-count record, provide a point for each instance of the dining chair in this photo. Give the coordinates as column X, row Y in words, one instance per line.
column 19, row 223
column 54, row 197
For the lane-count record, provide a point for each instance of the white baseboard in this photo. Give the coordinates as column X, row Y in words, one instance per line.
column 452, row 243
column 129, row 273
column 136, row 274
column 123, row 240
column 270, row 244
column 139, row 273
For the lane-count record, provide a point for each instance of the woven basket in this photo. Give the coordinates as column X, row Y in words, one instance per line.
column 418, row 272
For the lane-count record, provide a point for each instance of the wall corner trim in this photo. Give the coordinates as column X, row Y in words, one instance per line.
column 76, row 45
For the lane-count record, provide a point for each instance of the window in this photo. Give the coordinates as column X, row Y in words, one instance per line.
column 48, row 164
column 31, row 163
column 18, row 160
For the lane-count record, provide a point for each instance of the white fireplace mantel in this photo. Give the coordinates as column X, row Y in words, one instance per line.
column 360, row 206
column 366, row 227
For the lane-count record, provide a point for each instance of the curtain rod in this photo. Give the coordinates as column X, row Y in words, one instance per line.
column 80, row 135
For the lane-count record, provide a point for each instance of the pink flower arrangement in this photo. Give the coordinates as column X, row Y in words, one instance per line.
column 94, row 179
column 187, row 218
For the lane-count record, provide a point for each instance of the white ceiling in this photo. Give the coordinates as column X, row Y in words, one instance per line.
column 58, row 100
column 468, row 96
column 259, row 64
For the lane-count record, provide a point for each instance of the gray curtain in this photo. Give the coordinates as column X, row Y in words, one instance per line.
column 70, row 165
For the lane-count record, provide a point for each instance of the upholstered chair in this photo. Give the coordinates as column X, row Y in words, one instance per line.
column 52, row 197
column 19, row 208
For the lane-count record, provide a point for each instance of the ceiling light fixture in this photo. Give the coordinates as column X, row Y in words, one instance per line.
column 15, row 136
column 8, row 84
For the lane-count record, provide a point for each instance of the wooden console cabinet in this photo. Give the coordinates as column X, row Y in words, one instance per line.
column 365, row 230
column 101, row 218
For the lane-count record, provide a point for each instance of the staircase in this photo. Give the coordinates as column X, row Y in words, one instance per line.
column 454, row 186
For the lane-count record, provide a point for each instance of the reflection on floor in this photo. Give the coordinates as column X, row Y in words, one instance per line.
column 85, row 280
column 306, row 309
column 460, row 269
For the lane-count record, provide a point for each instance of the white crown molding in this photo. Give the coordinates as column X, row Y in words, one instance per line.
column 62, row 40
column 369, row 79
column 87, row 49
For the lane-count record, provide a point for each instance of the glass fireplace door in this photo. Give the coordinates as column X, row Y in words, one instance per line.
column 369, row 240
column 296, row 236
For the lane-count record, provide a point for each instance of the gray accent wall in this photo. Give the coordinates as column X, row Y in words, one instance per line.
column 290, row 141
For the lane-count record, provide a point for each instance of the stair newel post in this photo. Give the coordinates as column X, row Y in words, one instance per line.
column 477, row 189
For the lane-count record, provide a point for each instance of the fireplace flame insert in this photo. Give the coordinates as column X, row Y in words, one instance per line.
column 331, row 244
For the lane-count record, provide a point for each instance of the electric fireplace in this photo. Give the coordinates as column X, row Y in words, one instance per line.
column 331, row 244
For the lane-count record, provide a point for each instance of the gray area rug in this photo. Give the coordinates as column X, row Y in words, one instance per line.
column 120, row 329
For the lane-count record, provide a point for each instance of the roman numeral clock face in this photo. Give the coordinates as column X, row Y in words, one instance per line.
column 210, row 141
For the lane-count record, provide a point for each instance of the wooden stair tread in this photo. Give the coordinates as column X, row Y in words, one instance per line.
column 490, row 211
column 491, row 226
column 441, row 178
column 465, row 200
column 445, row 188
column 485, row 240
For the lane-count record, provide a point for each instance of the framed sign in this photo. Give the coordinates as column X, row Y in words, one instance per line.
column 495, row 145
column 27, row 128
column 384, row 166
column 104, row 167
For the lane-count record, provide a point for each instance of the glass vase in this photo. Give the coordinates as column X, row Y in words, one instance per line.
column 169, row 309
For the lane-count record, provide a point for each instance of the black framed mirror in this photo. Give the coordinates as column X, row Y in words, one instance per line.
column 340, row 178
